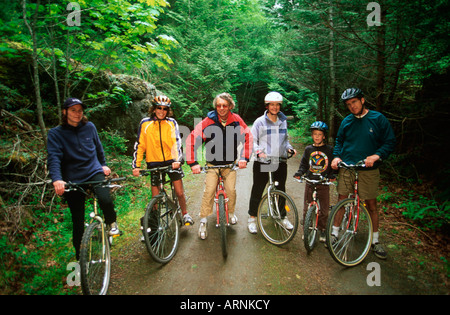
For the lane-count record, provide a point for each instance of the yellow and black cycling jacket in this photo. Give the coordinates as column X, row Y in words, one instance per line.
column 159, row 140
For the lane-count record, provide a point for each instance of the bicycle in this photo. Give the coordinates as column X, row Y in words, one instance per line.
column 274, row 209
column 162, row 220
column 95, row 249
column 354, row 239
column 310, row 224
column 221, row 201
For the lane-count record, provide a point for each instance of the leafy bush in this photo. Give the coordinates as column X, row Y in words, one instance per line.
column 424, row 211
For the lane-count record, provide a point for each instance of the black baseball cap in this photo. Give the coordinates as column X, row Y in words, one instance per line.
column 71, row 101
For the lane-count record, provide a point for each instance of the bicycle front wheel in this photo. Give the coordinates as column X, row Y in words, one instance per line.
column 310, row 228
column 277, row 217
column 352, row 244
column 223, row 225
column 161, row 230
column 95, row 260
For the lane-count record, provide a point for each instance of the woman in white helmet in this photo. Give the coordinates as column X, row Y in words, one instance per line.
column 270, row 139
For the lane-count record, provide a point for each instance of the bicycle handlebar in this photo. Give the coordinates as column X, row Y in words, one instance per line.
column 321, row 181
column 269, row 158
column 167, row 169
column 360, row 164
column 233, row 166
column 69, row 186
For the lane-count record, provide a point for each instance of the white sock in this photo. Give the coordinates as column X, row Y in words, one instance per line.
column 375, row 237
column 335, row 231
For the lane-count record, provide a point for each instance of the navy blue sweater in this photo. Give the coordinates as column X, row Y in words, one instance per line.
column 74, row 153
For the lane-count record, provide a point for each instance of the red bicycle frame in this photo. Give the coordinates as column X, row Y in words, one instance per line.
column 221, row 191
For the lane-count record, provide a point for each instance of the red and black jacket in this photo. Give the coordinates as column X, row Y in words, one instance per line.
column 221, row 142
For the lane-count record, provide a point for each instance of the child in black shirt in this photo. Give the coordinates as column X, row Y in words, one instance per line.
column 316, row 161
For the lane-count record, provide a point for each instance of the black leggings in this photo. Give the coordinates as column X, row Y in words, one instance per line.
column 76, row 201
column 260, row 179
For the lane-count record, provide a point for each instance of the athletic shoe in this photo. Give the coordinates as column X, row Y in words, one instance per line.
column 288, row 225
column 379, row 251
column 202, row 230
column 187, row 219
column 252, row 226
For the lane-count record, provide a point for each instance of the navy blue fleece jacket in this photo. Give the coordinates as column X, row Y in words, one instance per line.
column 74, row 153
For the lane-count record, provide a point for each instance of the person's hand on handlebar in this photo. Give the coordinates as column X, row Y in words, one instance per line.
column 370, row 160
column 335, row 163
column 136, row 171
column 242, row 164
column 196, row 169
column 59, row 187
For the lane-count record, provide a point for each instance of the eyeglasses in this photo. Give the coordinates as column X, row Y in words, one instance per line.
column 163, row 108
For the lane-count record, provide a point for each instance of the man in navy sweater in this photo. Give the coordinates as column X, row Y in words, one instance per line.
column 75, row 154
column 363, row 135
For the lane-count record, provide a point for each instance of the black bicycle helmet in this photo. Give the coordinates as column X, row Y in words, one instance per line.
column 161, row 100
column 351, row 93
column 319, row 125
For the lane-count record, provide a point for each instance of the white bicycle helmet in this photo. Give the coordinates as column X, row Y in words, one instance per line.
column 273, row 97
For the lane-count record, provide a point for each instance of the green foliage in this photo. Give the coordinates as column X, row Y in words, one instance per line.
column 424, row 211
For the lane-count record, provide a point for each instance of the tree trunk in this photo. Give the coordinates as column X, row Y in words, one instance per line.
column 37, row 87
column 381, row 62
column 332, row 76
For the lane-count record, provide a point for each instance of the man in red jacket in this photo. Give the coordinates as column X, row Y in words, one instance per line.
column 222, row 132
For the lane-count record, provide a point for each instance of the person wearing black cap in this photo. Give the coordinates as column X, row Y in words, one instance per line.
column 76, row 154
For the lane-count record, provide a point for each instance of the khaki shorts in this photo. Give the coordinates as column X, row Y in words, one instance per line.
column 367, row 183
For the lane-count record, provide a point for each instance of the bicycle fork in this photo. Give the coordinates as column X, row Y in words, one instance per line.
column 94, row 215
column 221, row 191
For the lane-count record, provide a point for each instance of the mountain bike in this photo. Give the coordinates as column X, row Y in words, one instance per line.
column 162, row 220
column 95, row 249
column 310, row 225
column 353, row 242
column 221, row 201
column 275, row 210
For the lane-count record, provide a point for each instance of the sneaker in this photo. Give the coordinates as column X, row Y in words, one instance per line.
column 233, row 219
column 252, row 226
column 114, row 229
column 187, row 219
column 322, row 237
column 379, row 251
column 333, row 240
column 202, row 230
column 288, row 225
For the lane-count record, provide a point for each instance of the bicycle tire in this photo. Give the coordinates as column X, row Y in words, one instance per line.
column 310, row 230
column 349, row 248
column 161, row 230
column 223, row 225
column 95, row 260
column 271, row 226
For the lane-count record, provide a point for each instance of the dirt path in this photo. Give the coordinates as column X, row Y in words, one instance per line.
column 255, row 267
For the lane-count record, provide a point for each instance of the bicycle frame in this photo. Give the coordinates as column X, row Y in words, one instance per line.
column 104, row 256
column 357, row 199
column 221, row 191
column 163, row 181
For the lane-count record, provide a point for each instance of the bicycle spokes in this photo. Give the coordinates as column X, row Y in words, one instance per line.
column 277, row 217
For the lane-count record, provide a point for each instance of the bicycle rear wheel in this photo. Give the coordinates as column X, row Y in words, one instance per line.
column 223, row 225
column 161, row 230
column 310, row 228
column 95, row 260
column 274, row 212
column 353, row 242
